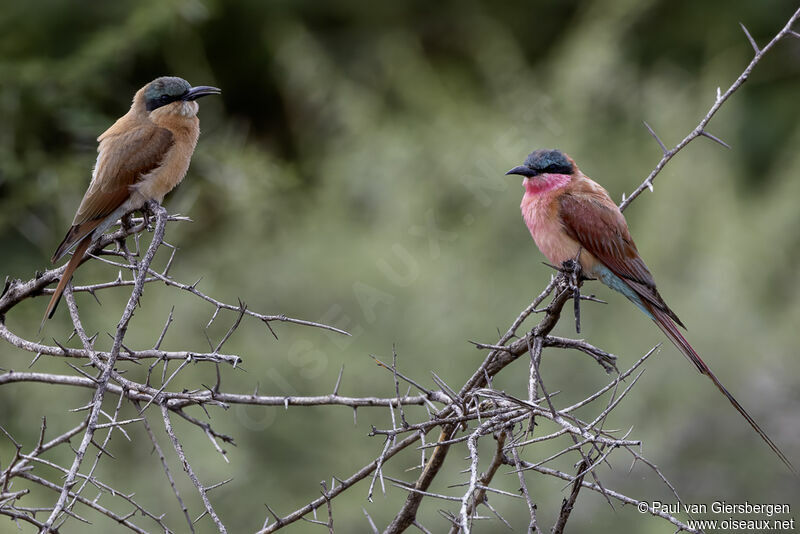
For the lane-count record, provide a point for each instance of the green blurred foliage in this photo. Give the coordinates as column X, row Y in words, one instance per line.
column 352, row 172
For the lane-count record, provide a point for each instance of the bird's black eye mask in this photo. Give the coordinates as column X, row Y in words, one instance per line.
column 164, row 91
column 555, row 168
column 161, row 100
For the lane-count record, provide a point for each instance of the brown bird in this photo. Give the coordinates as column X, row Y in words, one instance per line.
column 140, row 158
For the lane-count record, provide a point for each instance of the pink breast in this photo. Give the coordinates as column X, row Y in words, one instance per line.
column 540, row 212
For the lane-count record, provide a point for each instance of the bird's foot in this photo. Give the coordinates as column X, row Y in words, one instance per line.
column 125, row 222
column 571, row 269
column 148, row 211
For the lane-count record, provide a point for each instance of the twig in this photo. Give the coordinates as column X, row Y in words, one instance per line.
column 719, row 100
column 164, row 465
column 202, row 490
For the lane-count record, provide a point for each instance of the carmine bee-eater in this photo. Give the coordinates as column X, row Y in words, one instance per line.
column 140, row 158
column 570, row 216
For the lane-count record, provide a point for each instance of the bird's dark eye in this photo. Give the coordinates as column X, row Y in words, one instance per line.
column 557, row 168
column 164, row 98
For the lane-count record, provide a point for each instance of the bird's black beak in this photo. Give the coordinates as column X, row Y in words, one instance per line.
column 201, row 90
column 523, row 170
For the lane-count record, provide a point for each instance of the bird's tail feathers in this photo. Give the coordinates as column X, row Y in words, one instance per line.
column 74, row 262
column 671, row 331
column 75, row 234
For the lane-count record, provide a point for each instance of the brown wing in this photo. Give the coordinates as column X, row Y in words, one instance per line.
column 594, row 221
column 122, row 160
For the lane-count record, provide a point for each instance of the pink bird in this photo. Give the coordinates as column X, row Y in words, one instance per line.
column 570, row 216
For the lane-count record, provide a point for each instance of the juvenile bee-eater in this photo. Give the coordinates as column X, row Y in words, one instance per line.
column 570, row 216
column 140, row 158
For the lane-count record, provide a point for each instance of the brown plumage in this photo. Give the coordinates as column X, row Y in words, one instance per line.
column 142, row 157
column 600, row 228
column 592, row 219
column 571, row 216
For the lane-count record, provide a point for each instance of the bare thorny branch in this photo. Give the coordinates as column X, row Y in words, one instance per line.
column 720, row 98
column 463, row 416
column 110, row 381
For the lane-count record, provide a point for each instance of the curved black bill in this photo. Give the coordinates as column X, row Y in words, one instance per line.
column 522, row 170
column 201, row 90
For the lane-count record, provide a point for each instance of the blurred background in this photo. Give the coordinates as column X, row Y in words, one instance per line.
column 352, row 173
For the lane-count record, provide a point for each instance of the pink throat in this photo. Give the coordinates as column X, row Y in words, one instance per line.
column 545, row 182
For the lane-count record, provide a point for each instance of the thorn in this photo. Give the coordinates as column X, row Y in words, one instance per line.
column 649, row 185
column 60, row 346
column 593, row 299
column 270, row 328
column 92, row 293
column 714, row 138
column 338, row 381
column 794, row 33
column 750, row 38
column 653, row 133
column 35, row 359
column 213, row 317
